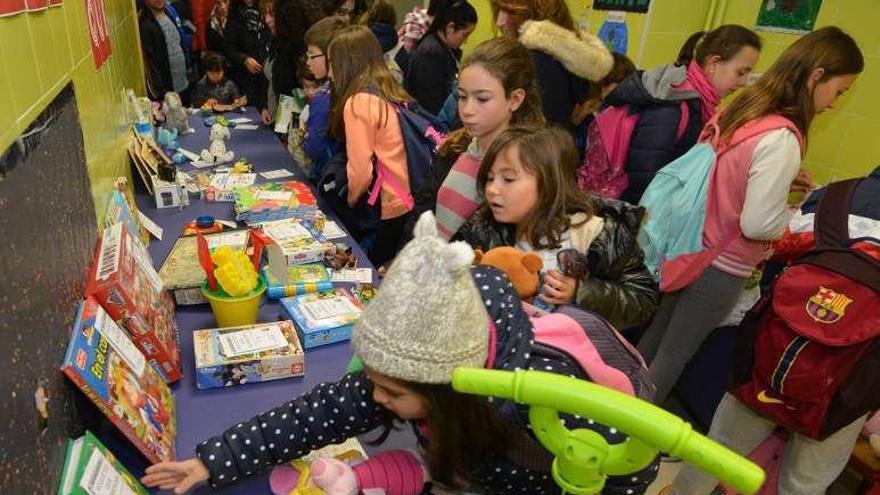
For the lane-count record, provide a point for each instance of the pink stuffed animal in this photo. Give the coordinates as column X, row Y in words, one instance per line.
column 394, row 472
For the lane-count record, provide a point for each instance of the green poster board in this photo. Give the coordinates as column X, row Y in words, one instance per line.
column 626, row 5
column 790, row 16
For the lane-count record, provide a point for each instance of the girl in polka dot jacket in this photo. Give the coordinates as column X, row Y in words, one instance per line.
column 410, row 338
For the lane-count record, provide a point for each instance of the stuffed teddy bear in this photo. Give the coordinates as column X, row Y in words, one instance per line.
column 216, row 152
column 175, row 114
column 524, row 269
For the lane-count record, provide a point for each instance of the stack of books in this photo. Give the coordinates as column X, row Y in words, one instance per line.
column 274, row 201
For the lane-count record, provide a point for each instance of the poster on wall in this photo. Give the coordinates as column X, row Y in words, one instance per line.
column 640, row 6
column 788, row 16
column 98, row 33
column 12, row 7
column 614, row 33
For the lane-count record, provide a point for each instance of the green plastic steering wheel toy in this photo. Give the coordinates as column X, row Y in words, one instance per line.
column 583, row 459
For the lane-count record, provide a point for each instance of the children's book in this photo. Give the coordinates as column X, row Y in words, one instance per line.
column 223, row 185
column 103, row 362
column 91, row 469
column 248, row 354
column 183, row 275
column 323, row 317
column 122, row 279
column 275, row 201
column 300, row 279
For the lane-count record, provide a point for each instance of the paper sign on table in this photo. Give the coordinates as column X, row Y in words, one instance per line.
column 239, row 120
column 359, row 275
column 247, row 127
column 150, row 225
column 277, row 174
column 332, row 230
column 234, row 344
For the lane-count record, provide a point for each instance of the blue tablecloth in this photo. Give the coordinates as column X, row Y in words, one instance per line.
column 203, row 413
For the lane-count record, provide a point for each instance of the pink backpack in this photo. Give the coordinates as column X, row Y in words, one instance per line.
column 600, row 350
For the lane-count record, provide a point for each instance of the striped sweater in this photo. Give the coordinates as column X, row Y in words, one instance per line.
column 458, row 198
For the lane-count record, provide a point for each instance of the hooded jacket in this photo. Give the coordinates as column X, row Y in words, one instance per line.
column 332, row 412
column 565, row 63
column 619, row 288
column 661, row 134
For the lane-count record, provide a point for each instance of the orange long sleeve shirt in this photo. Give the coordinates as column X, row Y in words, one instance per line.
column 372, row 129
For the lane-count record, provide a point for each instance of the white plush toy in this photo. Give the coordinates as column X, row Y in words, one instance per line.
column 175, row 114
column 216, row 152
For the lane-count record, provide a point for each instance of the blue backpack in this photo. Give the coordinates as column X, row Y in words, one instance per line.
column 676, row 200
column 422, row 136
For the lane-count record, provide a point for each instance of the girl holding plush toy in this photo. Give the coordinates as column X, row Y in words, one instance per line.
column 532, row 201
column 435, row 312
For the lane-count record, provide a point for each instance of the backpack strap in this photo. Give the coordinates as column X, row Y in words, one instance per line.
column 382, row 176
column 831, row 224
column 712, row 131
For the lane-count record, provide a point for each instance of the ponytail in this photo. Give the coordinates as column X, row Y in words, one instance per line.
column 458, row 12
column 725, row 42
column 686, row 52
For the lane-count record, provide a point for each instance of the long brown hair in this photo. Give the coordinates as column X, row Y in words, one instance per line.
column 464, row 430
column 784, row 90
column 521, row 11
column 510, row 63
column 725, row 41
column 549, row 154
column 358, row 66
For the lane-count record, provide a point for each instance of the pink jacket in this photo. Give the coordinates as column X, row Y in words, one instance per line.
column 727, row 193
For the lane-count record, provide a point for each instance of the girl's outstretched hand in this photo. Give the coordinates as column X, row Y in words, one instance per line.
column 558, row 289
column 180, row 476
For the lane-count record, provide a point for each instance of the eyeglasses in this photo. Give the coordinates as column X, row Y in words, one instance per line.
column 313, row 57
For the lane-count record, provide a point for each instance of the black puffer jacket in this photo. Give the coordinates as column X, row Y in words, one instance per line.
column 332, row 412
column 619, row 286
column 433, row 67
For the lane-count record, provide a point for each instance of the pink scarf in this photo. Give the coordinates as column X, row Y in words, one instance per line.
column 699, row 82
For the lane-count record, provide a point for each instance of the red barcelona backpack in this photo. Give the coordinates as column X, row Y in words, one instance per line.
column 810, row 351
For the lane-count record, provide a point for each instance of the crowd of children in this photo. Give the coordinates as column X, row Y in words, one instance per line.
column 558, row 142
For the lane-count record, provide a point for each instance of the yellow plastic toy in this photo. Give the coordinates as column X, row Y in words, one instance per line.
column 234, row 272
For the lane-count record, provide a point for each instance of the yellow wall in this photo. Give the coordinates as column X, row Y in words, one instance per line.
column 843, row 142
column 40, row 52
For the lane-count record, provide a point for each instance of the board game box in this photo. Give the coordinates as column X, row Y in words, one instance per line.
column 248, row 354
column 123, row 280
column 103, row 362
column 323, row 317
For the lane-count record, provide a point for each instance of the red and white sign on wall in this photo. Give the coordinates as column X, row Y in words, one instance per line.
column 35, row 5
column 98, row 33
column 12, row 7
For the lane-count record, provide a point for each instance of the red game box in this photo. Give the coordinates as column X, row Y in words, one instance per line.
column 123, row 280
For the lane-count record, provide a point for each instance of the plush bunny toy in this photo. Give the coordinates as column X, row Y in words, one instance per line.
column 175, row 114
column 216, row 152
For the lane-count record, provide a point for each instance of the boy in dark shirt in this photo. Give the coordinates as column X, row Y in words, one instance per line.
column 214, row 90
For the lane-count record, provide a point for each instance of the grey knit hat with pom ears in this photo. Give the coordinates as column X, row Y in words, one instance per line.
column 428, row 317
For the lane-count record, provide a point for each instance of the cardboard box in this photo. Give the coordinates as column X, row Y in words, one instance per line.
column 224, row 356
column 181, row 272
column 293, row 243
column 122, row 279
column 323, row 317
column 168, row 194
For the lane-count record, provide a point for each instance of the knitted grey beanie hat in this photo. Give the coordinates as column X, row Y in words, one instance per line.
column 428, row 317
